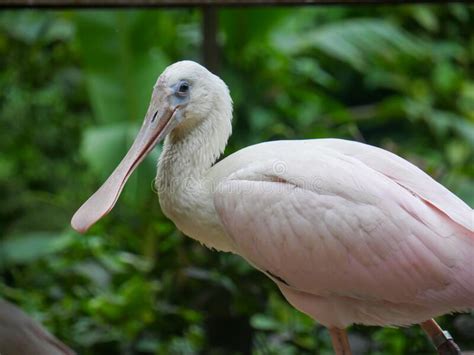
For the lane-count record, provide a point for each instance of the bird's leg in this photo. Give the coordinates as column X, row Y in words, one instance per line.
column 340, row 342
column 440, row 338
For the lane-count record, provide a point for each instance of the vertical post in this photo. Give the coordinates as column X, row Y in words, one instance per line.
column 209, row 30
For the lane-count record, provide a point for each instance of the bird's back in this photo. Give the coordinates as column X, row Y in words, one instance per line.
column 379, row 160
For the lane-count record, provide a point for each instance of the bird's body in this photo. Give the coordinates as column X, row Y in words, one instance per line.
column 345, row 241
column 349, row 232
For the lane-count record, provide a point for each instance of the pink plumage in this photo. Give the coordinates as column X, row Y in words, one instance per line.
column 350, row 233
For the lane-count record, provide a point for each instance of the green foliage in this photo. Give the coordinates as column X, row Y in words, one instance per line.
column 73, row 92
column 120, row 70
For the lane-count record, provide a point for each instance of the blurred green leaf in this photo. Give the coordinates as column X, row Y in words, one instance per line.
column 263, row 322
column 122, row 61
column 24, row 249
column 355, row 41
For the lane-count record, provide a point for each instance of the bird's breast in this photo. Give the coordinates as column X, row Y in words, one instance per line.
column 189, row 204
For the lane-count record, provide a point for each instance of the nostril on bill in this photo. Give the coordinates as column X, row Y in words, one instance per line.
column 154, row 116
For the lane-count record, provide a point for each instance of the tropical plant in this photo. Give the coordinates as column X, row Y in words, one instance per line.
column 74, row 88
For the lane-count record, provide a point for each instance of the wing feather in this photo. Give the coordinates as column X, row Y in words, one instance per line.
column 329, row 224
column 407, row 175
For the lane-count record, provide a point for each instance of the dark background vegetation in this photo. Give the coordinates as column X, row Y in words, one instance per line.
column 74, row 87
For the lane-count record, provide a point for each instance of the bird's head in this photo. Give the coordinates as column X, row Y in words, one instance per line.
column 184, row 95
column 191, row 92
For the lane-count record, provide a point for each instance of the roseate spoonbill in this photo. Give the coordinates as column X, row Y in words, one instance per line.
column 21, row 335
column 350, row 233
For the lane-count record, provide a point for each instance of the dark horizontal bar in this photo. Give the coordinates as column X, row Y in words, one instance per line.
column 188, row 3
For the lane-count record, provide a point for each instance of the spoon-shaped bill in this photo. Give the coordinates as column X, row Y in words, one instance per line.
column 156, row 126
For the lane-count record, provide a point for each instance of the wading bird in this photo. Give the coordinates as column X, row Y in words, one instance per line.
column 350, row 233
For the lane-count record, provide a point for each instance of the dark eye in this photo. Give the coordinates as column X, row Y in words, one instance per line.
column 183, row 88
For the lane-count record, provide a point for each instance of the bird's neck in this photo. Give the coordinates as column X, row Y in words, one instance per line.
column 188, row 155
column 183, row 183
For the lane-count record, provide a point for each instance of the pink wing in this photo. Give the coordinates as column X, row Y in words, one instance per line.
column 409, row 176
column 335, row 218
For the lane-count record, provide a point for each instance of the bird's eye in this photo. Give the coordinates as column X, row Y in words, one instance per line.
column 183, row 88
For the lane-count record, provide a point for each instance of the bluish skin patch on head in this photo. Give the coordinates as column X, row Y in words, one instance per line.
column 180, row 98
